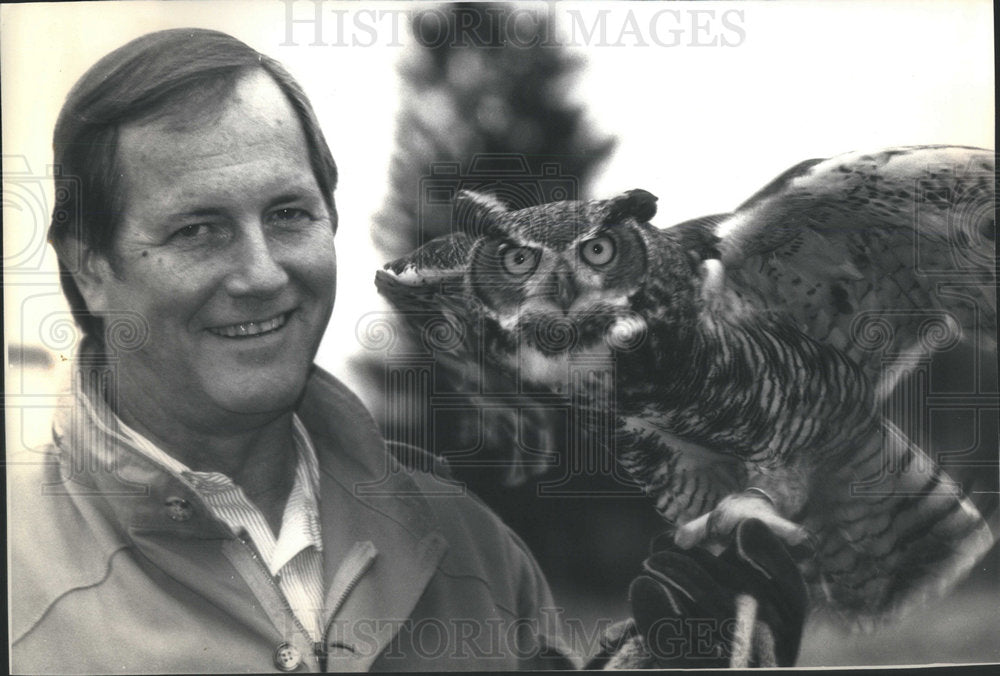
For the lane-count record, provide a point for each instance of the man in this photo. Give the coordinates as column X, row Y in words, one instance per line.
column 211, row 500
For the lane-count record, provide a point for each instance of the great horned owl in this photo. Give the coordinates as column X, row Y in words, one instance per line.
column 751, row 350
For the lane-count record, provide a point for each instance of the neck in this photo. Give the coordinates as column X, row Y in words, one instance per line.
column 256, row 451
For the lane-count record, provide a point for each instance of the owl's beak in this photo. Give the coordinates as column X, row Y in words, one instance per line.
column 564, row 288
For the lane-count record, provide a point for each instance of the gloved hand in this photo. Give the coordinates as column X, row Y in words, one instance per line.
column 692, row 609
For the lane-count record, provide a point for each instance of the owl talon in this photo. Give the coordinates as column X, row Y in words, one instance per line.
column 721, row 522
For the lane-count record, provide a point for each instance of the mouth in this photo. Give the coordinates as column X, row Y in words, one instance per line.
column 251, row 329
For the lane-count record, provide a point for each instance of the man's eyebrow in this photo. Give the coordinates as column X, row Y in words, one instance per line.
column 209, row 212
column 291, row 197
column 198, row 213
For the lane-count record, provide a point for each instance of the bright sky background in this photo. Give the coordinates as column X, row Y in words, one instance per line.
column 700, row 126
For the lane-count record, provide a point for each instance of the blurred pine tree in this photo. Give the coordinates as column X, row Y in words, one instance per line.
column 472, row 91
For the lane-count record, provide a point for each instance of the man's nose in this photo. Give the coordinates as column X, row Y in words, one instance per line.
column 256, row 271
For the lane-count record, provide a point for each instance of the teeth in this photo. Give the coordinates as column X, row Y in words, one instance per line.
column 248, row 329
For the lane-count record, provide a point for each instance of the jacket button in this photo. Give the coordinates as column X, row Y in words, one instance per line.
column 287, row 657
column 179, row 509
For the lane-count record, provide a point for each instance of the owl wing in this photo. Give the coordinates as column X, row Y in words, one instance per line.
column 414, row 282
column 432, row 277
column 512, row 432
column 885, row 256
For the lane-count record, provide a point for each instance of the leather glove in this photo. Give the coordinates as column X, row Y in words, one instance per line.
column 692, row 609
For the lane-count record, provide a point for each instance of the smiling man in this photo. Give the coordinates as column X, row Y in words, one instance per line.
column 203, row 507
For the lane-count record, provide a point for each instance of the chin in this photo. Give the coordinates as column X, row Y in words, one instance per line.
column 263, row 395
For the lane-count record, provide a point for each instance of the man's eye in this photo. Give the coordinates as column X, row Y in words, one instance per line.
column 290, row 215
column 199, row 235
column 192, row 231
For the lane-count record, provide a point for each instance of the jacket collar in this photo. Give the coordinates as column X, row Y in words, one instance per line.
column 381, row 539
column 379, row 533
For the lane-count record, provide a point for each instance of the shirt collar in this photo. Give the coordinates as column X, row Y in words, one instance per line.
column 300, row 525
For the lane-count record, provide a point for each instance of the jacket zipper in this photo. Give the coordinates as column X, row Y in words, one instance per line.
column 357, row 562
column 319, row 650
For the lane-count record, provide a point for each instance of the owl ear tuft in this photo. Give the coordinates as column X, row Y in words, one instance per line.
column 477, row 213
column 638, row 204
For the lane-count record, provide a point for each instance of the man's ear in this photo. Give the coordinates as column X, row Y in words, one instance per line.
column 91, row 271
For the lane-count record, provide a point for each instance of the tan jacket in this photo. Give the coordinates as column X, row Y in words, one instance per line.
column 116, row 566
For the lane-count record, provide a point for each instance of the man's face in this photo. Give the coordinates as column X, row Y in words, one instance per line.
column 226, row 248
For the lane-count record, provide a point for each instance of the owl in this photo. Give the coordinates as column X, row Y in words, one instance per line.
column 746, row 358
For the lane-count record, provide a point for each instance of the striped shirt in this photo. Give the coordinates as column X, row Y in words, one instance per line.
column 294, row 558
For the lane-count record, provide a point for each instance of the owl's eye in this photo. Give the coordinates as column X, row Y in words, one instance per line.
column 519, row 260
column 598, row 251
